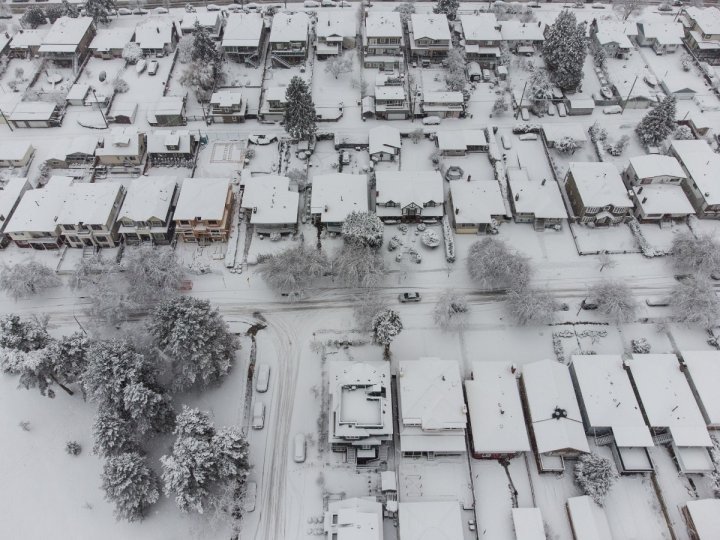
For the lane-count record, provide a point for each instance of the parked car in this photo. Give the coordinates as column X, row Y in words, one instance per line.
column 252, row 7
column 562, row 111
column 153, row 67
column 299, row 448
column 140, row 11
column 409, row 297
column 612, row 109
column 140, row 66
column 431, row 120
column 598, row 5
column 506, row 141
column 124, row 11
column 160, row 11
column 213, row 7
column 328, row 3
column 658, row 302
column 524, row 114
column 528, row 137
column 551, row 109
column 258, row 419
column 263, row 378
column 589, row 304
column 345, row 157
column 311, row 4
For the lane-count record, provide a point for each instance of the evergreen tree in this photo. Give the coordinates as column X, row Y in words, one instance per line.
column 54, row 12
column 363, row 229
column 658, row 123
column 130, row 485
column 595, row 475
column 68, row 356
column 539, row 91
column 565, row 49
column 69, row 10
column 23, row 334
column 386, row 326
column 448, row 7
column 203, row 47
column 112, row 434
column 33, row 17
column 300, row 114
column 100, row 10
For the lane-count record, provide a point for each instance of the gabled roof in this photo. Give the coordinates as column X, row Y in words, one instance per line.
column 540, row 198
column 243, row 30
column 652, row 165
column 520, row 31
column 384, row 139
column 335, row 23
column 158, row 141
column 703, row 166
column 599, row 184
column 207, row 19
column 430, row 521
column 226, row 98
column 202, row 198
column 662, row 199
column 38, row 209
column 431, row 26
column 108, row 39
column 335, row 195
column 15, row 150
column 407, row 187
column 89, row 203
column 148, row 197
column 613, row 32
column 287, row 27
column 707, row 18
column 154, row 33
column 460, row 140
column 383, row 24
column 66, row 31
column 481, row 27
column 665, row 33
column 354, row 519
column 120, row 142
column 477, row 201
column 270, row 200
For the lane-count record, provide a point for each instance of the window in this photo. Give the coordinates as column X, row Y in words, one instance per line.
column 73, row 239
column 183, row 222
column 96, row 227
column 69, row 227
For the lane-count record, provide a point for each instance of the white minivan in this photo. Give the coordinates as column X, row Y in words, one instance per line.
column 263, row 378
column 258, row 419
column 299, row 448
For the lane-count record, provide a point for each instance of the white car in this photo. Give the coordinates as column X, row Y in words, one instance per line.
column 311, row 4
column 263, row 378
column 258, row 419
column 213, row 7
column 299, row 448
column 253, row 7
column 328, row 3
column 124, row 11
column 161, row 11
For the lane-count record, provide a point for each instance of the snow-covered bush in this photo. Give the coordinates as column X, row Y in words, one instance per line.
column 451, row 311
column 683, row 133
column 430, row 239
column 618, row 147
column 694, row 302
column 449, row 238
column 386, row 325
column 595, row 475
column 73, row 448
column 120, row 85
column 597, row 133
column 359, row 266
column 698, row 255
column 640, row 346
column 530, row 306
column 615, row 300
column 132, row 53
column 363, row 229
column 130, row 484
column 294, row 270
column 567, row 145
column 26, row 279
column 493, row 265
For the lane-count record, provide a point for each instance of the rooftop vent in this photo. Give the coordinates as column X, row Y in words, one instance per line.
column 559, row 413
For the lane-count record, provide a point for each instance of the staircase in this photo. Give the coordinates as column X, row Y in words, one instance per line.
column 604, row 440
column 87, row 252
column 280, row 61
column 662, row 439
column 351, row 455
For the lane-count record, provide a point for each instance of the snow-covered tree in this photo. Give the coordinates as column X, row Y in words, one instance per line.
column 448, row 7
column 500, row 106
column 567, row 145
column 406, row 9
column 132, row 53
column 204, row 49
column 493, row 265
column 120, row 85
column 615, row 300
column 530, row 306
column 359, row 266
column 386, row 326
column 683, row 133
column 417, row 135
column 627, row 7
column 694, row 302
column 153, row 272
column 599, row 57
column 640, row 346
column 295, row 269
column 299, row 177
column 339, row 64
column 69, row 10
column 564, row 50
column 113, row 434
column 100, row 10
column 595, row 475
column 185, row 49
column 617, row 148
column 300, row 113
column 23, row 335
column 363, row 229
column 366, row 306
column 130, row 484
column 539, row 91
column 33, row 17
column 451, row 311
column 54, row 12
column 699, row 255
column 455, row 75
column 606, row 261
column 658, row 123
column 196, row 340
column 25, row 279
column 110, row 303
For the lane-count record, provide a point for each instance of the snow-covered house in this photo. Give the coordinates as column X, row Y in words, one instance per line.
column 653, row 169
column 77, row 94
column 122, row 146
column 68, row 41
column 212, row 21
column 16, row 153
column 7, row 103
column 391, row 102
column 383, row 41
column 535, row 201
column 554, row 133
column 481, row 34
column 171, row 148
column 679, row 86
column 354, row 518
column 528, row 524
column 432, row 415
column 335, row 31
column 10, row 194
column 409, row 196
column 203, row 210
column 597, row 193
column 462, row 142
column 167, row 111
column 109, row 42
column 588, row 521
column 89, row 216
column 429, row 36
column 579, row 104
column 244, row 33
column 610, row 411
column 703, row 519
column 497, row 423
column 664, row 37
column 523, row 37
column 34, row 223
column 75, row 152
column 475, row 207
column 670, row 408
column 36, row 114
column 553, row 414
column 271, row 205
column 633, row 94
column 611, row 36
column 360, row 417
column 439, row 520
column 274, row 103
column 702, row 168
column 702, row 32
column 228, row 106
column 158, row 36
column 384, row 143
column 443, row 104
column 702, row 369
column 289, row 38
column 26, row 43
column 335, row 195
column 146, row 213
column 660, row 203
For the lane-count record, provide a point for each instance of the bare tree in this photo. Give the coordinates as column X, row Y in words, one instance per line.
column 627, row 7
column 606, row 261
column 530, row 306
column 26, row 279
column 615, row 300
column 492, row 264
column 154, row 273
column 366, row 307
column 694, row 302
column 359, row 266
column 699, row 255
column 337, row 65
column 294, row 270
column 451, row 312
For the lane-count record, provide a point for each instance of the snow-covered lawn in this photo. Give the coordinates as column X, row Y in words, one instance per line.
column 240, row 74
column 112, row 69
column 662, row 238
column 330, row 92
column 222, row 155
column 416, row 156
column 28, row 67
column 615, row 239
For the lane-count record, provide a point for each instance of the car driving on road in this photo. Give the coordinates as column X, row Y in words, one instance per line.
column 409, row 297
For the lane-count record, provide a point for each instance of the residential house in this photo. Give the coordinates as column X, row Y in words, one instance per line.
column 75, row 152
column 391, row 102
column 535, row 201
column 16, row 153
column 212, row 21
column 702, row 33
column 228, row 106
column 409, row 196
column 702, row 369
column 611, row 37
column 170, row 148
column 35, row 114
column 204, row 210
column 679, row 86
column 360, row 417
column 109, row 42
column 597, row 194
column 497, row 424
column 10, row 194
column 429, row 36
column 335, row 31
column 660, row 203
column 588, row 520
column 554, row 133
column 553, row 414
column 89, row 216
column 68, row 41
column 702, row 168
column 271, row 205
column 653, row 169
column 384, row 143
column 358, row 517
column 432, row 412
column 147, row 212
column 274, row 104
column 482, row 39
column 336, row 195
column 34, row 224
column 443, row 104
column 476, row 206
column 703, row 518
column 168, row 111
column 157, row 36
column 441, row 520
column 461, row 142
column 243, row 37
column 383, row 41
column 663, row 37
column 521, row 37
column 123, row 146
column 26, row 43
column 289, row 38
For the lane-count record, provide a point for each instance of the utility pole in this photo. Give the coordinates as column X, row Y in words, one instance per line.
column 629, row 94
column 521, row 100
column 100, row 108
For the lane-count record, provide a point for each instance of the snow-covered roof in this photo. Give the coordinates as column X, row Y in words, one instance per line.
column 706, row 18
column 226, row 98
column 653, row 165
column 108, row 39
column 66, row 32
column 540, row 198
column 454, row 98
column 33, row 110
column 168, row 106
column 389, row 93
column 613, row 32
column 28, row 38
column 335, row 23
column 335, row 195
column 15, row 150
column 384, row 139
column 703, row 166
column 289, row 27
column 270, row 200
column 481, row 27
column 154, row 33
column 589, row 521
column 89, row 203
column 580, row 101
column 276, row 93
column 406, row 187
column 555, row 132
column 599, row 184
column 9, row 195
column 78, row 91
column 159, row 141
column 665, row 33
column 82, row 144
column 528, row 524
column 123, row 141
column 243, row 30
column 705, row 515
column 674, row 83
column 667, row 399
column 431, row 26
column 439, row 520
column 38, row 209
column 148, row 197
column 9, row 101
column 207, row 19
column 496, row 416
column 549, row 389
column 520, row 31
column 662, row 199
column 383, row 24
column 202, row 199
column 477, row 201
column 609, row 400
column 354, row 519
column 703, row 367
column 460, row 140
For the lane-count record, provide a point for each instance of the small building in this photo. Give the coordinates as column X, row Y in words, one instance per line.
column 579, row 104
column 289, row 39
column 528, row 524
column 588, row 521
column 391, row 102
column 409, row 196
column 16, row 153
column 168, row 111
column 476, row 207
column 443, row 104
column 481, row 33
column 123, row 146
column 170, row 148
column 660, row 203
column 75, row 152
column 497, row 424
column 228, row 106
column 705, row 50
column 664, row 37
column 553, row 414
column 702, row 168
column 383, row 41
column 274, row 104
column 157, row 35
column 611, row 36
column 554, row 133
column 122, row 113
column 460, row 143
column 439, row 520
column 146, row 214
column 36, row 114
column 523, row 37
column 244, row 34
column 384, row 143
column 680, row 87
column 432, row 411
column 702, row 369
column 203, row 210
column 109, row 42
column 271, row 205
column 653, row 169
column 610, row 411
column 26, row 43
column 597, row 193
column 7, row 103
column 89, row 216
column 429, row 36
column 212, row 21
column 10, row 194
column 633, row 95
column 335, row 32
column 703, row 519
column 336, row 195
column 68, row 41
column 537, row 202
column 77, row 94
column 670, row 408
column 354, row 518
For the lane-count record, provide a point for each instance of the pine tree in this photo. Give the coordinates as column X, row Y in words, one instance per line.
column 363, row 229
column 100, row 10
column 113, row 434
column 595, row 475
column 203, row 48
column 33, row 17
column 565, row 49
column 539, row 91
column 68, row 356
column 300, row 114
column 386, row 326
column 130, row 485
column 658, row 123
column 69, row 10
column 448, row 7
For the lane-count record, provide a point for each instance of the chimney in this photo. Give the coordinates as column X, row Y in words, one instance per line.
column 543, row 181
column 644, row 200
column 457, row 211
column 517, row 196
column 640, row 190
